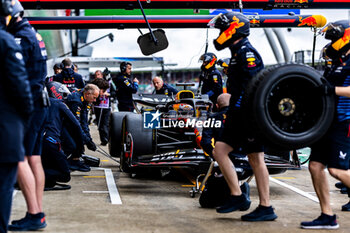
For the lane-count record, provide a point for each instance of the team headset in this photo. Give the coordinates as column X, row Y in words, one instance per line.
column 6, row 7
column 123, row 67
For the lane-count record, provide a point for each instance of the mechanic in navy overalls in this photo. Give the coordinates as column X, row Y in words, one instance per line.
column 79, row 103
column 68, row 77
column 210, row 78
column 210, row 133
column 245, row 63
column 209, row 136
column 54, row 160
column 125, row 87
column 163, row 88
column 332, row 151
column 31, row 176
column 16, row 108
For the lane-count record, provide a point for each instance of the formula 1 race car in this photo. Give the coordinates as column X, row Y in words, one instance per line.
column 141, row 143
column 174, row 139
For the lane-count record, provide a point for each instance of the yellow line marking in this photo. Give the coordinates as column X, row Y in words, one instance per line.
column 284, row 178
column 94, row 176
column 177, row 151
column 105, row 160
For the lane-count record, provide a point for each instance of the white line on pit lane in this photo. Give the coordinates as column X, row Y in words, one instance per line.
column 299, row 191
column 112, row 187
column 95, row 192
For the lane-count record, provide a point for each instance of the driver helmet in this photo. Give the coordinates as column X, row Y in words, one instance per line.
column 209, row 61
column 339, row 34
column 57, row 90
column 185, row 110
column 224, row 63
column 232, row 25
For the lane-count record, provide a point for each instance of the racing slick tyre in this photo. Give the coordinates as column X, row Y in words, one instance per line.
column 136, row 141
column 286, row 106
column 115, row 133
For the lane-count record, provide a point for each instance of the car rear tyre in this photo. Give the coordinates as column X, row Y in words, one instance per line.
column 115, row 133
column 136, row 140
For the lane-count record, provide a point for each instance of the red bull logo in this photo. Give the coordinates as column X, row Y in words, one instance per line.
column 301, row 1
column 226, row 35
column 339, row 44
column 212, row 62
column 56, row 94
column 308, row 21
column 346, row 36
column 254, row 21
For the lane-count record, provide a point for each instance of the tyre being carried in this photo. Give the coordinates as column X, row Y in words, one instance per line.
column 286, row 106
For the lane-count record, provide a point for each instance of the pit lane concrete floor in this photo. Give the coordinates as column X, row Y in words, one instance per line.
column 164, row 205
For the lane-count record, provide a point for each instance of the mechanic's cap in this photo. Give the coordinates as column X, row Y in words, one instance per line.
column 209, row 61
column 18, row 10
column 232, row 25
column 57, row 90
column 224, row 62
column 339, row 33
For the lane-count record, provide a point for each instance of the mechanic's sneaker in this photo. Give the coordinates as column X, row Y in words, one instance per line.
column 261, row 213
column 234, row 203
column 104, row 143
column 346, row 207
column 31, row 222
column 323, row 222
column 77, row 165
column 20, row 220
column 246, row 190
column 340, row 185
column 344, row 190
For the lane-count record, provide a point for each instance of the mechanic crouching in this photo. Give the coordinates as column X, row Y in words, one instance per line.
column 54, row 160
column 220, row 192
column 80, row 103
column 210, row 78
column 209, row 133
column 125, row 87
column 163, row 88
